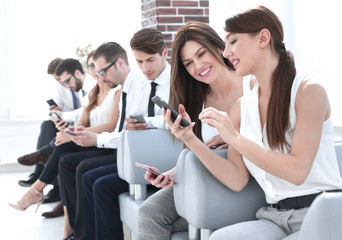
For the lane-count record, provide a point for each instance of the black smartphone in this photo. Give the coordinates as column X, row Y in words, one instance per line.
column 51, row 102
column 55, row 115
column 139, row 117
column 174, row 114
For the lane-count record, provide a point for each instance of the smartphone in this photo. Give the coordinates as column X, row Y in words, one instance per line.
column 55, row 115
column 138, row 116
column 174, row 114
column 51, row 102
column 155, row 174
column 68, row 131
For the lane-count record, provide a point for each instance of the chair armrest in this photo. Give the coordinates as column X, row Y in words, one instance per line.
column 208, row 204
column 154, row 147
column 323, row 220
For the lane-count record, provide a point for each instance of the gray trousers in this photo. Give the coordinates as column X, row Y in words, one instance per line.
column 271, row 224
column 158, row 217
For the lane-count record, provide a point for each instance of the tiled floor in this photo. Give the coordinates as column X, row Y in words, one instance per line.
column 28, row 225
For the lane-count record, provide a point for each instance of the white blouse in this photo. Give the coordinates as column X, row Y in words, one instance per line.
column 208, row 132
column 324, row 174
column 100, row 114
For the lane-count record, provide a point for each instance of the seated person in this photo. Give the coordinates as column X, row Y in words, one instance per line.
column 198, row 64
column 101, row 186
column 280, row 133
column 100, row 114
column 68, row 105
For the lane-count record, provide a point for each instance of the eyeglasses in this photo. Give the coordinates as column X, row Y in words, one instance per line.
column 91, row 66
column 103, row 72
column 66, row 82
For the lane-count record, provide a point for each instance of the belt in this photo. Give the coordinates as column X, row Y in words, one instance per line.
column 295, row 202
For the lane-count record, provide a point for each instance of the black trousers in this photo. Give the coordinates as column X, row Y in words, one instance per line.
column 101, row 188
column 50, row 171
column 45, row 143
column 71, row 168
column 47, row 133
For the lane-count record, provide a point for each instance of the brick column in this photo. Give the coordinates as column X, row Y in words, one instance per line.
column 169, row 15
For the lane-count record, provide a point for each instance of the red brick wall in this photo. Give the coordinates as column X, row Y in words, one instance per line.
column 169, row 15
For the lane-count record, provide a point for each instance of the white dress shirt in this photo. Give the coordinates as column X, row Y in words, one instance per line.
column 65, row 101
column 137, row 102
column 135, row 84
column 163, row 91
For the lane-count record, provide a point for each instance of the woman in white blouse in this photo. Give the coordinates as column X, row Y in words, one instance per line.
column 200, row 78
column 281, row 132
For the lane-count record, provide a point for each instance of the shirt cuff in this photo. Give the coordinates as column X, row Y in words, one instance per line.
column 107, row 140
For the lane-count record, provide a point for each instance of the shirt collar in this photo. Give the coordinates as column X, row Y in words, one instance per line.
column 164, row 76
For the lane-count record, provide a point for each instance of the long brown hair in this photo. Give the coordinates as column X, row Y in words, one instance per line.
column 184, row 89
column 277, row 119
column 92, row 95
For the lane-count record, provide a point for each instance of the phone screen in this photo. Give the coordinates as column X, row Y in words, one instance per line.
column 55, row 115
column 155, row 174
column 51, row 102
column 174, row 114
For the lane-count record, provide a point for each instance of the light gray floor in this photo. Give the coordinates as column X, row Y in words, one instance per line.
column 28, row 225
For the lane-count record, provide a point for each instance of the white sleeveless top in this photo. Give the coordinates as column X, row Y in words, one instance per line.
column 208, row 131
column 100, row 114
column 324, row 174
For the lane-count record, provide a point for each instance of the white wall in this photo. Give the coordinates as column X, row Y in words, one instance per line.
column 35, row 32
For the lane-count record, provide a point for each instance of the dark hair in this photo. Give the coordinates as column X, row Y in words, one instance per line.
column 92, row 95
column 148, row 40
column 277, row 119
column 110, row 51
column 184, row 89
column 90, row 55
column 69, row 65
column 53, row 65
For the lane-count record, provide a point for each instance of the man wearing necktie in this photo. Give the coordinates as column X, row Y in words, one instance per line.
column 71, row 78
column 150, row 53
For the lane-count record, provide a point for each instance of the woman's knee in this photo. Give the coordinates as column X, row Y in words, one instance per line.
column 156, row 210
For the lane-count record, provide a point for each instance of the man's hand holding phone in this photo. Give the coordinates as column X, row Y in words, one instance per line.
column 83, row 137
column 60, row 124
column 156, row 178
column 136, row 121
column 53, row 105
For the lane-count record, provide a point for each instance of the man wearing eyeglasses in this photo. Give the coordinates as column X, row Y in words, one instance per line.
column 113, row 70
column 73, row 86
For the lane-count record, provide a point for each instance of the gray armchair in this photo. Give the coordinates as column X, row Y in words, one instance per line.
column 153, row 147
column 206, row 203
column 209, row 205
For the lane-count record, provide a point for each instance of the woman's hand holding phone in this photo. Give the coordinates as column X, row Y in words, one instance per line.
column 182, row 133
column 155, row 177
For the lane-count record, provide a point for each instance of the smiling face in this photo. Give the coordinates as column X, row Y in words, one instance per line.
column 152, row 65
column 241, row 49
column 199, row 62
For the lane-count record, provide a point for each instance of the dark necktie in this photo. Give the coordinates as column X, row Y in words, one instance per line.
column 123, row 111
column 150, row 102
column 74, row 99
